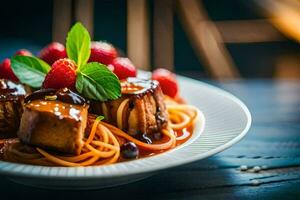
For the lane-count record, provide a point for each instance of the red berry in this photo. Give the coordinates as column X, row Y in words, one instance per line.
column 123, row 68
column 23, row 52
column 167, row 81
column 102, row 52
column 53, row 52
column 6, row 72
column 62, row 74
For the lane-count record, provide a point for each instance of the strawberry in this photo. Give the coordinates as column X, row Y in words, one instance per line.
column 53, row 52
column 123, row 68
column 167, row 81
column 23, row 52
column 62, row 74
column 6, row 72
column 102, row 52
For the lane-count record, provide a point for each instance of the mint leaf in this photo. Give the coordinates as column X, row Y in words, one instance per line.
column 78, row 44
column 97, row 82
column 30, row 70
column 100, row 118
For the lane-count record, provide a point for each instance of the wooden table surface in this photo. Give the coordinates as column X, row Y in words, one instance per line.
column 272, row 144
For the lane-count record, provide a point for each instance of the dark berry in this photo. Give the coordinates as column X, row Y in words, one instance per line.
column 129, row 150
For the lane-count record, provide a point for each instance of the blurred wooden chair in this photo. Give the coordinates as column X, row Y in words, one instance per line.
column 217, row 59
column 208, row 38
column 206, row 41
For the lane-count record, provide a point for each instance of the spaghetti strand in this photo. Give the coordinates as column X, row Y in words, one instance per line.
column 102, row 145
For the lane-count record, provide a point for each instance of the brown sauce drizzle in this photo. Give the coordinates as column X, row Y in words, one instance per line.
column 61, row 110
column 64, row 95
column 138, row 87
column 10, row 90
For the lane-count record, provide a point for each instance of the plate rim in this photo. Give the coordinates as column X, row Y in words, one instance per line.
column 94, row 175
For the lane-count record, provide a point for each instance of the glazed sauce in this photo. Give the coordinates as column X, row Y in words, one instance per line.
column 64, row 95
column 128, row 88
column 63, row 103
column 138, row 86
column 59, row 109
column 10, row 90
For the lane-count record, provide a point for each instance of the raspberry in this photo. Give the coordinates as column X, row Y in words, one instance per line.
column 6, row 72
column 123, row 68
column 62, row 74
column 102, row 52
column 23, row 52
column 167, row 81
column 53, row 52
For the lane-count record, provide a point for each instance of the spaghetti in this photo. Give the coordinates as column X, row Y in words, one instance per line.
column 102, row 145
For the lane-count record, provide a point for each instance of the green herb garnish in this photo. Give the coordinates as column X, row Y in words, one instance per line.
column 94, row 80
column 30, row 70
column 78, row 44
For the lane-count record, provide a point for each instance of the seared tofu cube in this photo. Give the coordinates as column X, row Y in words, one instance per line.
column 54, row 125
column 140, row 110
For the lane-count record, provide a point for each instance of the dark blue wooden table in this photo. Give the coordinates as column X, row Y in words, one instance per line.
column 270, row 153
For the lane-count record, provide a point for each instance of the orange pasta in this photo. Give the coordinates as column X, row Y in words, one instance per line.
column 102, row 145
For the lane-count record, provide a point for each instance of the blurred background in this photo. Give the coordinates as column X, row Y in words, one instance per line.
column 220, row 39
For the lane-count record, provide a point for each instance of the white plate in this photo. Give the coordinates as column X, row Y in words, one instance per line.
column 227, row 120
